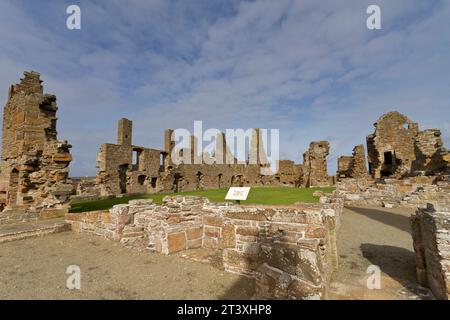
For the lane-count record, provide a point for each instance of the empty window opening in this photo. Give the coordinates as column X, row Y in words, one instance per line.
column 219, row 178
column 388, row 159
column 199, row 180
column 123, row 178
column 141, row 179
column 153, row 182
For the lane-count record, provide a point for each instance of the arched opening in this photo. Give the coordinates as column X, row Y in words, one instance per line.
column 199, row 180
column 141, row 179
column 153, row 182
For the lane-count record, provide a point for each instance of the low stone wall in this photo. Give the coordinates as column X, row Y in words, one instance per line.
column 13, row 216
column 21, row 215
column 431, row 235
column 410, row 192
column 290, row 251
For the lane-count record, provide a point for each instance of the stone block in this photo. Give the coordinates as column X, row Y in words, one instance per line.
column 227, row 236
column 294, row 260
column 176, row 242
column 241, row 260
column 194, row 233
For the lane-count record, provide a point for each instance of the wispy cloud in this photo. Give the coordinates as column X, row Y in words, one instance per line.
column 310, row 68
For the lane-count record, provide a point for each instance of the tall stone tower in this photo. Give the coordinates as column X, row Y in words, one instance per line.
column 35, row 165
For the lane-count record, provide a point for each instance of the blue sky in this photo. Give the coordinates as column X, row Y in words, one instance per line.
column 310, row 68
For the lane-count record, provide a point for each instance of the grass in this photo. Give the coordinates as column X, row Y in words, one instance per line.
column 272, row 196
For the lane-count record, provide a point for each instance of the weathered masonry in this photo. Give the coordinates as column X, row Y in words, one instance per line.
column 399, row 149
column 124, row 168
column 290, row 251
column 34, row 168
column 431, row 234
column 353, row 166
column 315, row 165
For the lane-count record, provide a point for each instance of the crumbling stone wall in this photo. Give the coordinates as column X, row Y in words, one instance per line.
column 85, row 188
column 344, row 166
column 353, row 166
column 431, row 235
column 398, row 149
column 156, row 171
column 413, row 192
column 429, row 153
column 121, row 172
column 290, row 251
column 315, row 165
column 35, row 165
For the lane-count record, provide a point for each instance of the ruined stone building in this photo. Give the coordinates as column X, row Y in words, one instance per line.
column 353, row 166
column 127, row 169
column 398, row 148
column 290, row 251
column 315, row 165
column 34, row 168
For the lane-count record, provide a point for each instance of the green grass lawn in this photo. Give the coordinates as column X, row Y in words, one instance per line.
column 272, row 196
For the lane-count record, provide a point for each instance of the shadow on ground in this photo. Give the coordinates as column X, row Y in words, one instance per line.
column 398, row 263
column 395, row 220
column 242, row 289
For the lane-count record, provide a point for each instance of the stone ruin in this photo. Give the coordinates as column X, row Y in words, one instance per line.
column 315, row 165
column 290, row 251
column 407, row 167
column 431, row 235
column 124, row 168
column 34, row 168
column 399, row 149
column 353, row 166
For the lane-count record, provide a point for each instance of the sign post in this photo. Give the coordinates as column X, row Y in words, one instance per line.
column 237, row 193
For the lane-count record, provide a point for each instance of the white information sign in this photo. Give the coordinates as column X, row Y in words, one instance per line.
column 237, row 193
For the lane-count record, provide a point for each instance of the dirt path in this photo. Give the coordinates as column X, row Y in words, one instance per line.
column 376, row 236
column 35, row 269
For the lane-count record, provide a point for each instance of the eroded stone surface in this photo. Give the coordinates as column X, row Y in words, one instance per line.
column 290, row 251
column 34, row 169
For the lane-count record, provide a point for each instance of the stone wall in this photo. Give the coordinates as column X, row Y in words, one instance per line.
column 353, row 166
column 124, row 168
column 411, row 192
column 429, row 153
column 34, row 168
column 290, row 251
column 315, row 165
column 398, row 149
column 431, row 235
column 344, row 166
column 152, row 171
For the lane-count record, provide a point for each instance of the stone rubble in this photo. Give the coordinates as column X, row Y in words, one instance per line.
column 290, row 251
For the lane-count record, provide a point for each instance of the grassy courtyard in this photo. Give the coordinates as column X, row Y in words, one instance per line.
column 272, row 196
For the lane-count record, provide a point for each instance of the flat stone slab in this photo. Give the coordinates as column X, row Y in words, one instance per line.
column 12, row 232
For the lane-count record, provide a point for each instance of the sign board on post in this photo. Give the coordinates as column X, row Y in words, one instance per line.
column 237, row 193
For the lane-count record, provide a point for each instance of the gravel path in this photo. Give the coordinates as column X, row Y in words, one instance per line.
column 376, row 236
column 35, row 269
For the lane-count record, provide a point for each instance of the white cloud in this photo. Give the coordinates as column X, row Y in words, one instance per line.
column 310, row 68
